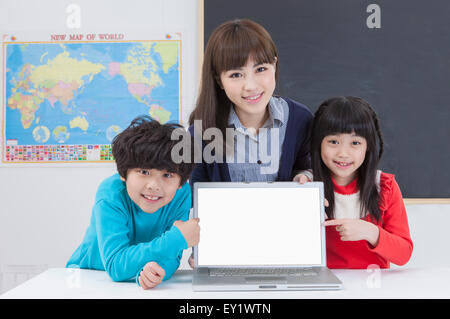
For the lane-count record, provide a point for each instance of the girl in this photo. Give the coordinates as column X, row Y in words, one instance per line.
column 367, row 218
column 238, row 80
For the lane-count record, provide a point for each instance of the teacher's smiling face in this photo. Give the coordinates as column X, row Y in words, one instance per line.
column 249, row 88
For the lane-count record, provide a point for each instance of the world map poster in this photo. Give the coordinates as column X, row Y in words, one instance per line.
column 65, row 100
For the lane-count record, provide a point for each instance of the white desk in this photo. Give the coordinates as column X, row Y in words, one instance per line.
column 62, row 283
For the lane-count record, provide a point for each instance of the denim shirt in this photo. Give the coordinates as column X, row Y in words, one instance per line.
column 256, row 157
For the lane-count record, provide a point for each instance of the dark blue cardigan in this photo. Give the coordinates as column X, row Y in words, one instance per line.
column 294, row 154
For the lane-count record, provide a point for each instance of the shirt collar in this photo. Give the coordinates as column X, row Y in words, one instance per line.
column 276, row 115
column 349, row 189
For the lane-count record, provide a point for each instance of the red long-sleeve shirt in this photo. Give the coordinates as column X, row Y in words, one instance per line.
column 394, row 244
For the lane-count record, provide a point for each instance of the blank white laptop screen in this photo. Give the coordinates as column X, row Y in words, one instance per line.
column 259, row 226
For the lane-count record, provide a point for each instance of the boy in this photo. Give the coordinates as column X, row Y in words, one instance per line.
column 139, row 225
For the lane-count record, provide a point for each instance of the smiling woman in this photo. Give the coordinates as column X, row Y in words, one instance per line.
column 250, row 88
column 238, row 80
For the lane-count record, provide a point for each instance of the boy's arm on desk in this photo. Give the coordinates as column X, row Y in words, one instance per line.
column 123, row 260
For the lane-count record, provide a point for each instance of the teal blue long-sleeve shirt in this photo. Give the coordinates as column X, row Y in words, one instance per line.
column 121, row 238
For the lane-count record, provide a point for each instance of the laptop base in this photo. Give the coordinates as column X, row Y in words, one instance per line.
column 323, row 280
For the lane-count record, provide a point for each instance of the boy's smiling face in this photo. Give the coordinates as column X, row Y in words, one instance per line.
column 151, row 189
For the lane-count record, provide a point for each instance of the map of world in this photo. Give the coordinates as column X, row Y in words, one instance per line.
column 67, row 101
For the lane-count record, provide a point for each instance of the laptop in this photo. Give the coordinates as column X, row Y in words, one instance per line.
column 261, row 236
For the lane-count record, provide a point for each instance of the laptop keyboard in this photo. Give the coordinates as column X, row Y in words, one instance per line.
column 261, row 271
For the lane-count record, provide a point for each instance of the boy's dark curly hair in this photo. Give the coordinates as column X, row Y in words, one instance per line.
column 147, row 144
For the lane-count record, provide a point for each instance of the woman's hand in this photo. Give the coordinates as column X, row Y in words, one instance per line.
column 302, row 179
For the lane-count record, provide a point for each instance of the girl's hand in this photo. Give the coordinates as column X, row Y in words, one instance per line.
column 355, row 229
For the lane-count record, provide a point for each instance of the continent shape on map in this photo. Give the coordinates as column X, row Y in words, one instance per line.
column 159, row 113
column 80, row 122
column 60, row 134
column 41, row 134
column 135, row 69
column 112, row 131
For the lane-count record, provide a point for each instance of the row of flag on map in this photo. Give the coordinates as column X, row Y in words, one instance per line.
column 66, row 153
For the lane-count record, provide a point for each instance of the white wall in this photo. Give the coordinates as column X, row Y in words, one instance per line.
column 429, row 232
column 44, row 211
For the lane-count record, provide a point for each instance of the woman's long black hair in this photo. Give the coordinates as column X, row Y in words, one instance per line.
column 340, row 115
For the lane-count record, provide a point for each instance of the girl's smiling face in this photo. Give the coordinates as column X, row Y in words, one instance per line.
column 249, row 88
column 343, row 154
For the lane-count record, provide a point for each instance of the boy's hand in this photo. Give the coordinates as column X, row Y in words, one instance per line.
column 191, row 260
column 151, row 275
column 355, row 229
column 190, row 230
